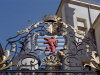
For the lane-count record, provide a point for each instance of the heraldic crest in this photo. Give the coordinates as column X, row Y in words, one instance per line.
column 43, row 45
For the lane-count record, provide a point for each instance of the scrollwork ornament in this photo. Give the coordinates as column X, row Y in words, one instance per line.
column 35, row 36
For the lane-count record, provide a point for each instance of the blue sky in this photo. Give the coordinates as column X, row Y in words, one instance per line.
column 14, row 15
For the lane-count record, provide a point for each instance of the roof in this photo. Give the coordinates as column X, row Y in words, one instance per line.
column 90, row 1
column 84, row 3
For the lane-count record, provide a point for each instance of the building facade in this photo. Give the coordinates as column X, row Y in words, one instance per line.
column 84, row 16
column 96, row 27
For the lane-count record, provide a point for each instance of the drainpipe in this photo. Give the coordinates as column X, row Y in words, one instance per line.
column 92, row 31
column 89, row 14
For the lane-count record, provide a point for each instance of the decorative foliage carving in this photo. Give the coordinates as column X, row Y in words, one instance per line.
column 54, row 60
column 51, row 26
column 4, row 57
column 94, row 62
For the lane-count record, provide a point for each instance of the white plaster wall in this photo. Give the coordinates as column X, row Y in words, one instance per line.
column 97, row 36
column 78, row 11
column 70, row 12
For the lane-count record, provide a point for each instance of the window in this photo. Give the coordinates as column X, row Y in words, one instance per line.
column 82, row 27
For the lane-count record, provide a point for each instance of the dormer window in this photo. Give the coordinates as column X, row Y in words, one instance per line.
column 81, row 26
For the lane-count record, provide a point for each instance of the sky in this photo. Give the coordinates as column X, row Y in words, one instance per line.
column 14, row 15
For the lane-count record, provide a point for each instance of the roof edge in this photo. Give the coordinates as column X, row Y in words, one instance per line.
column 80, row 3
